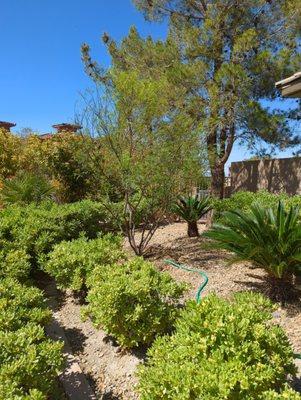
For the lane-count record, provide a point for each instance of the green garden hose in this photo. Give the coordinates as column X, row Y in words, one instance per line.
column 185, row 268
column 202, row 286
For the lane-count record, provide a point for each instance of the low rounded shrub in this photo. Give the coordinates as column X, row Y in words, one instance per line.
column 70, row 262
column 133, row 302
column 20, row 304
column 220, row 350
column 29, row 362
column 286, row 394
column 37, row 229
column 14, row 263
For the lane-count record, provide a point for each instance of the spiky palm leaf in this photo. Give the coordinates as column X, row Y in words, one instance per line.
column 25, row 189
column 268, row 238
column 191, row 208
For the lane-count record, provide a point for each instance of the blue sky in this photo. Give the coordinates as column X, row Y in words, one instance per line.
column 41, row 73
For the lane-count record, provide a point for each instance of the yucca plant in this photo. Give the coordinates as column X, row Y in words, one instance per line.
column 191, row 209
column 269, row 238
column 26, row 188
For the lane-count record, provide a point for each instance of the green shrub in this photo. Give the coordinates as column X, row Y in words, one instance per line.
column 70, row 262
column 14, row 263
column 191, row 209
column 26, row 188
column 220, row 350
column 286, row 394
column 20, row 304
column 267, row 237
column 36, row 229
column 244, row 200
column 133, row 302
column 29, row 362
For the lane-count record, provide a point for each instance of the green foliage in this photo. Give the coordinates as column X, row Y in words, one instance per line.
column 230, row 54
column 244, row 200
column 21, row 304
column 69, row 163
column 150, row 144
column 10, row 149
column 286, row 394
column 133, row 302
column 71, row 262
column 220, row 350
column 191, row 208
column 14, row 263
column 270, row 238
column 36, row 229
column 26, row 188
column 29, row 361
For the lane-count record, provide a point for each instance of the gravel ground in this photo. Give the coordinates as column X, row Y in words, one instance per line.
column 111, row 371
column 172, row 242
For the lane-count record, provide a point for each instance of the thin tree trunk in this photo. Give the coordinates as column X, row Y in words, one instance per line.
column 193, row 230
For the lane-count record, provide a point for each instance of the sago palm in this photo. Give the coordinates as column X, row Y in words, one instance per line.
column 191, row 209
column 26, row 188
column 268, row 238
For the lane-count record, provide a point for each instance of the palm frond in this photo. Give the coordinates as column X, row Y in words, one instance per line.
column 191, row 208
column 26, row 188
column 268, row 238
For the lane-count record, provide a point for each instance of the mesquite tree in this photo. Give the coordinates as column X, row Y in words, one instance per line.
column 235, row 51
column 149, row 143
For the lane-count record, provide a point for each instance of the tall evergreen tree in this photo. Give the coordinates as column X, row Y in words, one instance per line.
column 232, row 52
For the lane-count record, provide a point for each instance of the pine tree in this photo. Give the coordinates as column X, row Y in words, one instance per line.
column 231, row 54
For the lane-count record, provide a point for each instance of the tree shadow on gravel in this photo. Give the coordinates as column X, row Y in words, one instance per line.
column 76, row 339
column 186, row 250
column 262, row 285
column 55, row 297
column 110, row 396
column 139, row 352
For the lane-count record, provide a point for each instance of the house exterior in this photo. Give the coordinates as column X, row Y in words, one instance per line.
column 290, row 87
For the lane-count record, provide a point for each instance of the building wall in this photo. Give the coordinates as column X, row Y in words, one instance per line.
column 274, row 175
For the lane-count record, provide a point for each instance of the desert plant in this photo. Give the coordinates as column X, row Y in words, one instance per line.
column 29, row 362
column 37, row 229
column 191, row 209
column 26, row 188
column 70, row 262
column 14, row 263
column 269, row 238
column 21, row 304
column 133, row 302
column 243, row 200
column 220, row 349
column 286, row 394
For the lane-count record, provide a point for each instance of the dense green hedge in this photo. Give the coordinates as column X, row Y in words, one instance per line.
column 219, row 350
column 133, row 302
column 29, row 362
column 36, row 229
column 14, row 263
column 243, row 200
column 71, row 262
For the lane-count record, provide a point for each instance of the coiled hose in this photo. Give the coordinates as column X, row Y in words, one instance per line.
column 203, row 284
column 185, row 268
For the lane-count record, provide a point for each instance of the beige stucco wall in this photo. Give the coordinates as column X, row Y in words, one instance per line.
column 275, row 175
